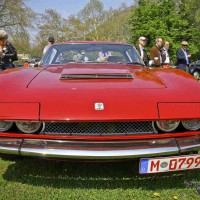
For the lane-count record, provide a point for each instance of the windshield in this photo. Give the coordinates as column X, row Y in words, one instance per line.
column 114, row 53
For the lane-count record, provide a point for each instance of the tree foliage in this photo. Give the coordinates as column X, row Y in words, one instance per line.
column 52, row 24
column 15, row 14
column 173, row 20
column 21, row 41
column 164, row 18
column 93, row 22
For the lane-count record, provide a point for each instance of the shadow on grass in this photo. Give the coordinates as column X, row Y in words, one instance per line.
column 91, row 175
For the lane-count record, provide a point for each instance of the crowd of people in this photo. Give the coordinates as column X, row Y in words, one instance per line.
column 160, row 56
column 159, row 53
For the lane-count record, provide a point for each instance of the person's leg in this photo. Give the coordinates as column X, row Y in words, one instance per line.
column 9, row 65
column 181, row 67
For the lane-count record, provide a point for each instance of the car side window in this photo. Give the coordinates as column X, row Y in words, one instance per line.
column 49, row 57
column 132, row 56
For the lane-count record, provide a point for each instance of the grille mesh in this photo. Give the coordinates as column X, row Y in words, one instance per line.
column 98, row 128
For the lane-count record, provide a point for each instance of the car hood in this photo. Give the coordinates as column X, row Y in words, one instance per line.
column 96, row 76
column 63, row 93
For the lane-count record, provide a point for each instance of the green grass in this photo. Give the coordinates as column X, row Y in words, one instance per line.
column 30, row 178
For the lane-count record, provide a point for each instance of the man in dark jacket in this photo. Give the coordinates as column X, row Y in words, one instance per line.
column 141, row 50
column 8, row 53
column 155, row 54
column 183, row 57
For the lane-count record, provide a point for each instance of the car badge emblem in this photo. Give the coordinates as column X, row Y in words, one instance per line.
column 99, row 106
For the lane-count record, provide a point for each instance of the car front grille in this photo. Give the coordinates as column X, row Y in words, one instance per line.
column 98, row 128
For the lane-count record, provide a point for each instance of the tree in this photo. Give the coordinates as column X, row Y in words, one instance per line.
column 162, row 18
column 21, row 41
column 15, row 14
column 92, row 16
column 192, row 9
column 116, row 27
column 51, row 23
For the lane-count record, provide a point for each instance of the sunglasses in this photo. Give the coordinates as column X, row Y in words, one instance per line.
column 185, row 45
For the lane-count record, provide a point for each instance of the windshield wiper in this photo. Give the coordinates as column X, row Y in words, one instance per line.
column 137, row 63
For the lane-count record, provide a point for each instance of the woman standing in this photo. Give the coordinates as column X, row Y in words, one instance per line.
column 8, row 53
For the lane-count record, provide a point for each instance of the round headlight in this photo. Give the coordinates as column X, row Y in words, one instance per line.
column 167, row 125
column 29, row 127
column 5, row 126
column 192, row 125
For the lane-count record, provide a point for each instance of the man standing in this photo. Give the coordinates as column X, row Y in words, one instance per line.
column 140, row 48
column 155, row 54
column 165, row 55
column 183, row 57
column 50, row 42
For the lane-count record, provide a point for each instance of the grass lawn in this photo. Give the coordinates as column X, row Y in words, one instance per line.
column 30, row 178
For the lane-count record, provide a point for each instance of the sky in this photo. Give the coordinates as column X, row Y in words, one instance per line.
column 69, row 7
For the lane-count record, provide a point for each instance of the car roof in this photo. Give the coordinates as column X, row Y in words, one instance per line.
column 91, row 42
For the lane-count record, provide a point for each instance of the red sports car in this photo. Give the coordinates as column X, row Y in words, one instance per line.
column 97, row 101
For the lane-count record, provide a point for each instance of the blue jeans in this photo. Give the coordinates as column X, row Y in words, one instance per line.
column 9, row 65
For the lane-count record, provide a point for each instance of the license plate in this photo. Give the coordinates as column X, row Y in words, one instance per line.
column 166, row 164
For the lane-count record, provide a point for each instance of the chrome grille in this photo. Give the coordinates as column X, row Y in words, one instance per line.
column 98, row 128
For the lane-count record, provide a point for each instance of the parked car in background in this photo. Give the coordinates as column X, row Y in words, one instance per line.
column 101, row 109
column 194, row 69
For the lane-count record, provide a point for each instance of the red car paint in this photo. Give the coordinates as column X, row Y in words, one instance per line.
column 38, row 94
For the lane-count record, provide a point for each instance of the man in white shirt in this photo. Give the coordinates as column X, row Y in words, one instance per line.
column 141, row 50
column 165, row 55
column 50, row 42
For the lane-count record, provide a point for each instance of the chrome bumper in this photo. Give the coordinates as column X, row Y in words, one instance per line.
column 99, row 149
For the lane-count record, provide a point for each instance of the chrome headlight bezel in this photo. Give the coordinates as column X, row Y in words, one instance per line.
column 8, row 126
column 167, row 125
column 24, row 126
column 189, row 127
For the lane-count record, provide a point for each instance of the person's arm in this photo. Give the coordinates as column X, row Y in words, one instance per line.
column 188, row 54
column 180, row 55
column 11, row 54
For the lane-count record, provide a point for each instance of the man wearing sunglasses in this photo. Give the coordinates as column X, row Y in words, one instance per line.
column 183, row 57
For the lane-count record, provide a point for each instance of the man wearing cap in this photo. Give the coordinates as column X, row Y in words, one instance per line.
column 50, row 42
column 183, row 57
column 156, row 54
column 8, row 53
column 141, row 50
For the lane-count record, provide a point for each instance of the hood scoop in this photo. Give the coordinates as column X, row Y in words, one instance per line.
column 96, row 74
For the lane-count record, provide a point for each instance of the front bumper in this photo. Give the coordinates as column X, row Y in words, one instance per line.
column 116, row 149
